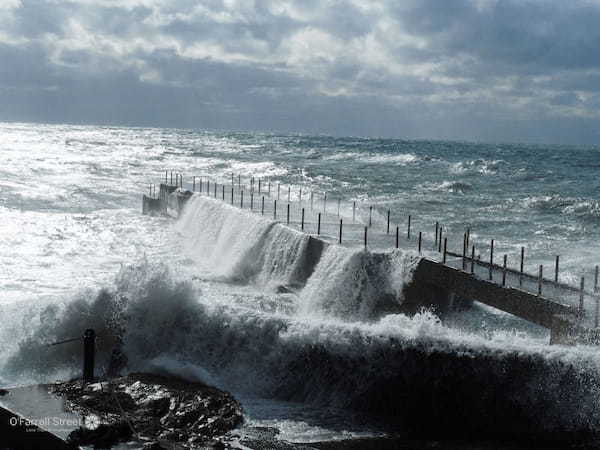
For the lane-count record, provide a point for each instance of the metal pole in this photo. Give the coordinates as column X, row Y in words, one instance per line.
column 445, row 249
column 581, row 295
column 166, row 176
column 251, row 201
column 289, row 193
column 491, row 258
column 274, row 209
column 408, row 231
column 239, row 181
column 366, row 230
column 397, row 237
column 319, row 224
column 194, row 185
column 302, row 225
column 504, row 271
column 596, row 279
column 370, row 215
column 521, row 266
column 200, row 184
column 473, row 259
column 232, row 195
column 353, row 211
column 259, row 182
column 89, row 348
column 215, row 190
column 287, row 220
column 440, row 239
column 388, row 222
column 171, row 178
column 269, row 189
column 419, row 242
column 540, row 279
column 242, row 199
column 437, row 228
column 262, row 206
column 556, row 269
column 150, row 190
column 208, row 189
column 464, row 251
column 597, row 312
column 232, row 182
column 223, row 192
column 341, row 225
column 311, row 201
column 300, row 197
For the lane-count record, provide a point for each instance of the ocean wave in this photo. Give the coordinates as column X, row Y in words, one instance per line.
column 481, row 166
column 371, row 158
column 431, row 379
column 571, row 206
column 457, row 187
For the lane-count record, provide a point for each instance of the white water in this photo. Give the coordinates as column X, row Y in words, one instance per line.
column 202, row 297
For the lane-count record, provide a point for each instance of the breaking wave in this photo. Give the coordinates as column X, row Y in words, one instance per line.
column 416, row 373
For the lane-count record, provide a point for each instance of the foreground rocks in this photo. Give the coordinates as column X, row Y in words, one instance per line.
column 164, row 412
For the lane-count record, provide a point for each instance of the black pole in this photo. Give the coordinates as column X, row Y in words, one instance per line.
column 302, row 223
column 521, row 267
column 319, row 224
column 408, row 232
column 274, row 209
column 89, row 347
column 556, row 268
column 341, row 231
column 445, row 249
column 370, row 215
column 473, row 259
column 420, row 242
column 288, row 214
column 397, row 237
column 262, row 206
column 366, row 230
column 491, row 257
column 388, row 222
column 223, row 192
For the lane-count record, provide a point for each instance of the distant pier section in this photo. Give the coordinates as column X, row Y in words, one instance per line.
column 443, row 278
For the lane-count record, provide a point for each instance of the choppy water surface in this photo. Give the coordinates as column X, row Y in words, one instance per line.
column 188, row 297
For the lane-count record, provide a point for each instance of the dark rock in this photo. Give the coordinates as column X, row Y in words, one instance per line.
column 156, row 408
column 3, row 392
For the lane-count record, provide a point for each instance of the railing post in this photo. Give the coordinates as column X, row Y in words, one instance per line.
column 445, row 250
column 440, row 239
column 259, row 185
column 232, row 196
column 341, row 226
column 208, row 188
column 397, row 237
column 370, row 215
column 596, row 279
column 521, row 266
column 223, row 192
column 504, row 271
column 354, row 211
column 274, row 209
column 319, row 224
column 287, row 220
column 166, row 176
column 408, row 230
column 556, row 269
column 215, row 190
column 171, row 183
column 540, row 280
column 300, row 197
column 464, row 252
column 232, row 182
column 311, row 200
column 262, row 206
column 491, row 258
column 366, row 230
column 194, row 184
column 473, row 259
column 89, row 349
column 435, row 243
column 251, row 201
column 242, row 199
column 289, row 193
column 581, row 295
column 239, row 181
column 388, row 221
column 302, row 223
column 201, row 182
column 269, row 189
column 419, row 244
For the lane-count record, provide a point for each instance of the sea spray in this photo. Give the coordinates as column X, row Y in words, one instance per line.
column 239, row 246
column 357, row 284
column 423, row 376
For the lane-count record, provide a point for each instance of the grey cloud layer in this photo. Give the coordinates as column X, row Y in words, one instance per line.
column 460, row 69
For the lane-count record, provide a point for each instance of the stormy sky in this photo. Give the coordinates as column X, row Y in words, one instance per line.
column 490, row 70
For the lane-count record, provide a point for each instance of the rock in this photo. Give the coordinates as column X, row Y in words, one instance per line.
column 156, row 408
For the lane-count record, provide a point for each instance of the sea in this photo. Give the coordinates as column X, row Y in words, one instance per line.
column 211, row 296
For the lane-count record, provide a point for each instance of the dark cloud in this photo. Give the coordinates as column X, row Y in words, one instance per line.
column 461, row 69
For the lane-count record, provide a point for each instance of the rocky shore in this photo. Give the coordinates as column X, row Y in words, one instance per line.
column 156, row 411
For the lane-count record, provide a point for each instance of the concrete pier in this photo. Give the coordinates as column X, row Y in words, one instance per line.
column 441, row 278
